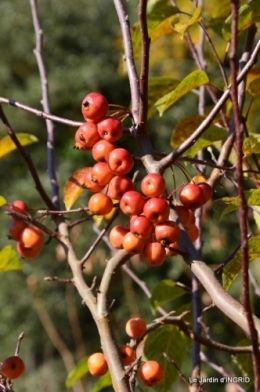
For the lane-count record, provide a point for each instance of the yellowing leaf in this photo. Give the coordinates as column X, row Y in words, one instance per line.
column 248, row 14
column 74, row 187
column 209, row 137
column 181, row 23
column 233, row 268
column 251, row 144
column 9, row 260
column 253, row 74
column 184, row 129
column 228, row 204
column 2, row 201
column 254, row 88
column 158, row 87
column 7, row 145
column 193, row 80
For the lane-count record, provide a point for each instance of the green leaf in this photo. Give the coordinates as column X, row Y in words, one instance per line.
column 9, row 259
column 248, row 14
column 181, row 23
column 254, row 88
column 159, row 10
column 7, row 145
column 233, row 267
column 79, row 371
column 251, row 144
column 256, row 215
column 244, row 363
column 228, row 204
column 165, row 291
column 2, row 201
column 211, row 135
column 103, row 382
column 193, row 80
column 157, row 87
column 170, row 340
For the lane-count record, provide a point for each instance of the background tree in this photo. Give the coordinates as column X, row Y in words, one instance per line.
column 183, row 75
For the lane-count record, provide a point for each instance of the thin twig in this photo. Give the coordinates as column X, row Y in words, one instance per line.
column 18, row 344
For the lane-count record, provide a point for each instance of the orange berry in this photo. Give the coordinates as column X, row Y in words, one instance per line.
column 127, row 355
column 13, row 367
column 28, row 253
column 32, row 237
column 100, row 203
column 16, row 228
column 151, row 373
column 19, row 206
column 97, row 364
column 135, row 327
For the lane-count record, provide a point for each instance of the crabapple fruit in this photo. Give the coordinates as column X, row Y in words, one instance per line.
column 120, row 161
column 97, row 364
column 186, row 216
column 116, row 236
column 207, row 191
column 141, row 227
column 16, row 228
column 100, row 204
column 101, row 150
column 32, row 237
column 132, row 203
column 118, row 186
column 167, row 232
column 127, row 354
column 20, row 207
column 94, row 106
column 132, row 244
column 151, row 373
column 110, row 129
column 135, row 327
column 156, row 210
column 90, row 184
column 86, row 136
column 101, row 174
column 154, row 254
column 153, row 185
column 13, row 367
column 191, row 196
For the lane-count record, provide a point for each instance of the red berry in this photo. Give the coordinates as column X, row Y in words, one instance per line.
column 90, row 184
column 132, row 203
column 127, row 354
column 151, row 373
column 207, row 191
column 101, row 150
column 28, row 253
column 97, row 364
column 94, row 106
column 118, row 186
column 153, row 185
column 186, row 216
column 86, row 136
column 32, row 237
column 132, row 244
column 154, row 254
column 191, row 196
column 16, row 228
column 13, row 367
column 116, row 236
column 100, row 203
column 110, row 129
column 167, row 232
column 120, row 161
column 19, row 206
column 135, row 327
column 141, row 227
column 156, row 210
column 101, row 174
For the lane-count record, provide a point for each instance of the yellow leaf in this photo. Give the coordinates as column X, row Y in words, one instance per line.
column 2, row 201
column 74, row 187
column 7, row 145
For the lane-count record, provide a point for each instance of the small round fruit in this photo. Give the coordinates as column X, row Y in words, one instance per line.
column 197, row 179
column 32, row 237
column 135, row 327
column 100, row 204
column 97, row 364
column 116, row 236
column 167, row 232
column 154, row 254
column 90, row 184
column 170, row 250
column 153, row 185
column 156, row 210
column 101, row 174
column 151, row 373
column 191, row 196
column 101, row 150
column 16, row 228
column 132, row 203
column 118, row 186
column 132, row 244
column 19, row 206
column 141, row 227
column 28, row 253
column 86, row 136
column 13, row 367
column 120, row 161
column 186, row 216
column 207, row 191
column 193, row 232
column 127, row 354
column 110, row 129
column 94, row 106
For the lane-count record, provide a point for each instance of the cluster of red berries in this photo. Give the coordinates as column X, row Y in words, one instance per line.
column 150, row 231
column 12, row 367
column 150, row 372
column 29, row 238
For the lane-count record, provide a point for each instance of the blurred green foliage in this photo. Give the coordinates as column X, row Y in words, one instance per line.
column 82, row 53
